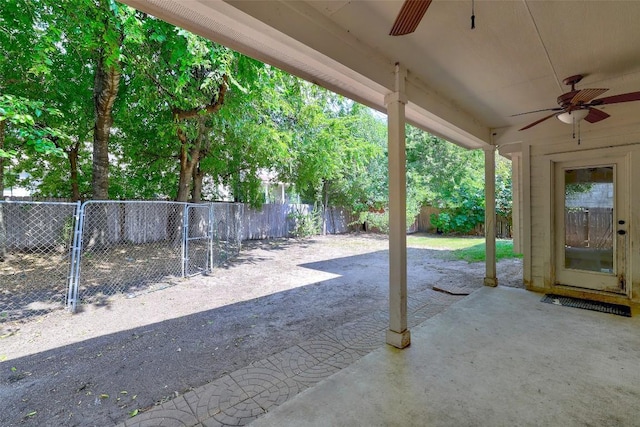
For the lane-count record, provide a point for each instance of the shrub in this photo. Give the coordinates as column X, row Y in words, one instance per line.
column 377, row 221
column 306, row 224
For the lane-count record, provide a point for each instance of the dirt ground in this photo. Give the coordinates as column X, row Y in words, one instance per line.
column 36, row 283
column 96, row 367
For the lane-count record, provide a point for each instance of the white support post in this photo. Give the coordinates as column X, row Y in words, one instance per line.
column 490, row 278
column 516, row 185
column 398, row 335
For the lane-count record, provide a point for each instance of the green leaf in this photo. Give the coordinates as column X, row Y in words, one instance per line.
column 236, row 84
column 8, row 154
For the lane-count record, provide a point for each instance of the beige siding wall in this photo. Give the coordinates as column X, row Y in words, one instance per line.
column 540, row 221
column 537, row 193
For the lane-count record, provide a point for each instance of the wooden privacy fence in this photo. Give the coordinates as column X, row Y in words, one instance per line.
column 423, row 220
column 276, row 220
column 273, row 220
column 589, row 227
column 423, row 223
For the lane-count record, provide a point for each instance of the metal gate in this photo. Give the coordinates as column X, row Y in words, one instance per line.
column 35, row 248
column 197, row 240
column 84, row 253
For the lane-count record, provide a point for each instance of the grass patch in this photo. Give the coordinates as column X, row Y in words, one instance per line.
column 470, row 249
column 442, row 243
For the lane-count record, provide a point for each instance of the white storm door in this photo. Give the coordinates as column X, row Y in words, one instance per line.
column 591, row 224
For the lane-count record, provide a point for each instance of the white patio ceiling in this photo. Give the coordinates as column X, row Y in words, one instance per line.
column 463, row 84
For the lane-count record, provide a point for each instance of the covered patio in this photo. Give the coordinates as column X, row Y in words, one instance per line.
column 480, row 363
column 490, row 75
column 500, row 357
column 477, row 363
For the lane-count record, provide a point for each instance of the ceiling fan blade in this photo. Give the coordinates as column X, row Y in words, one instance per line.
column 585, row 95
column 409, row 17
column 615, row 99
column 539, row 121
column 596, row 115
column 538, row 111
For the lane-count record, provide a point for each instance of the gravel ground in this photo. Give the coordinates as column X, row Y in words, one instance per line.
column 95, row 367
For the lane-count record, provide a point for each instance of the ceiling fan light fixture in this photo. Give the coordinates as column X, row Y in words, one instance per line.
column 573, row 116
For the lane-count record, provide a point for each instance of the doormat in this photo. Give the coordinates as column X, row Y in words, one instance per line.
column 603, row 307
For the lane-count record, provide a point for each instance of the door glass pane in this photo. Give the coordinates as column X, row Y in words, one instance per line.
column 588, row 223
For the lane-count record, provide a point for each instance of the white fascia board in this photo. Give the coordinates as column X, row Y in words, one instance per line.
column 224, row 24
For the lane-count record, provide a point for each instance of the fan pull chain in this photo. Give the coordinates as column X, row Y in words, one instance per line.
column 473, row 14
column 576, row 123
column 578, row 133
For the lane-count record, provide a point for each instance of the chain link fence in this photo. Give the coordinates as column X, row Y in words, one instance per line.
column 54, row 254
column 36, row 240
column 57, row 253
column 127, row 247
column 227, row 228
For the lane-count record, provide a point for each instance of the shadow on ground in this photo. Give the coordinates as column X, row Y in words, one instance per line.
column 101, row 380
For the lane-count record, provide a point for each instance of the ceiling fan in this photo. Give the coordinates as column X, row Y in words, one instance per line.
column 411, row 14
column 409, row 17
column 578, row 104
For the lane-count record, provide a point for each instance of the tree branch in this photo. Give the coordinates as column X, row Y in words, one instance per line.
column 215, row 104
column 145, row 67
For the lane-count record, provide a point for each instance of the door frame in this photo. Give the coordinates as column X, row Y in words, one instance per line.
column 603, row 282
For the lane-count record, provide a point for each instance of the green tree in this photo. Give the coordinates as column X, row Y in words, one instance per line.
column 246, row 139
column 24, row 129
column 504, row 196
column 186, row 78
column 18, row 121
column 448, row 177
column 333, row 142
column 184, row 118
column 65, row 54
column 106, row 37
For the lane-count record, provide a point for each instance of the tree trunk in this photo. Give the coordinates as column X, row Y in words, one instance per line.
column 72, row 155
column 184, row 178
column 196, row 191
column 190, row 152
column 105, row 91
column 189, row 159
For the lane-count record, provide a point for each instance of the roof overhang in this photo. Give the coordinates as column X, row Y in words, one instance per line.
column 463, row 85
column 365, row 77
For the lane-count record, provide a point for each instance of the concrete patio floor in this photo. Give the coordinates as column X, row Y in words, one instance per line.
column 499, row 357
column 242, row 396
